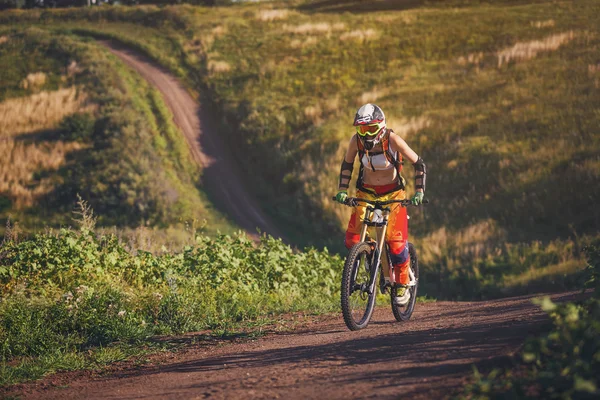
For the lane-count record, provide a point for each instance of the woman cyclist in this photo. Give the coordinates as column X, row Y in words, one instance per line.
column 380, row 153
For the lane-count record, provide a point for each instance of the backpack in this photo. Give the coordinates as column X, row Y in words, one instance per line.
column 385, row 143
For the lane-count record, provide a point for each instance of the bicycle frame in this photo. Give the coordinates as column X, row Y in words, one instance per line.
column 381, row 230
column 358, row 295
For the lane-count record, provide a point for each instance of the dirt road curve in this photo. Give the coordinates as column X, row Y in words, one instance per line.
column 221, row 175
column 428, row 357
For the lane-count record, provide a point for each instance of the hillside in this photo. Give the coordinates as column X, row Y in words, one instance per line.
column 76, row 122
column 500, row 98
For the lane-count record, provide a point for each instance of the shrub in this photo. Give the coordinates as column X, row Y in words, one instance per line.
column 77, row 127
column 562, row 364
column 70, row 291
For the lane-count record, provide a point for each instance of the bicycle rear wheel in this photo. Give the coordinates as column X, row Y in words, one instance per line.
column 357, row 303
column 403, row 313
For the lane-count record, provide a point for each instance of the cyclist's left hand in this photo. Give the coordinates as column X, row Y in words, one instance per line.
column 417, row 198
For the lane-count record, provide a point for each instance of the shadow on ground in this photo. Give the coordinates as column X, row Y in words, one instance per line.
column 443, row 344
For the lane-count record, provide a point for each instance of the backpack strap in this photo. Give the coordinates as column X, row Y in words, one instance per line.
column 389, row 155
column 359, row 146
column 385, row 143
column 361, row 152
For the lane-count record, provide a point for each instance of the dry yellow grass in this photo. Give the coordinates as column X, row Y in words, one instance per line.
column 22, row 160
column 333, row 103
column 473, row 241
column 528, row 50
column 373, row 95
column 34, row 81
column 218, row 66
column 306, row 42
column 73, row 68
column 314, row 113
column 361, row 35
column 396, row 18
column 473, row 58
column 272, row 15
column 39, row 111
column 219, row 30
column 308, row 28
column 412, row 125
column 543, row 24
column 203, row 43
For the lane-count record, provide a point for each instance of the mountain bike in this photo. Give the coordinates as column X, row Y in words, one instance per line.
column 364, row 265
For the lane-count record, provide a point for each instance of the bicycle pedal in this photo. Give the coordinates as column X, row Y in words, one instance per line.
column 384, row 286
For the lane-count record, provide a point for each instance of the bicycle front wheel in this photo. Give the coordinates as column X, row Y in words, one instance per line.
column 403, row 313
column 357, row 302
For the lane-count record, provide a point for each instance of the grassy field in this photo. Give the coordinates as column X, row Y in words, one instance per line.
column 83, row 124
column 500, row 98
column 72, row 299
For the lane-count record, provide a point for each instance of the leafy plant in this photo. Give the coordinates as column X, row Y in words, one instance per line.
column 71, row 291
column 562, row 364
column 78, row 127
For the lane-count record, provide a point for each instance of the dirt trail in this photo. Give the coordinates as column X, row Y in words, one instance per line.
column 221, row 174
column 426, row 358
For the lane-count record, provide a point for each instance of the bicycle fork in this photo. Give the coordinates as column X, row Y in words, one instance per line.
column 376, row 261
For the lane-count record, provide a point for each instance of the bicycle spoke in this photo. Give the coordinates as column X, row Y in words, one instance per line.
column 359, row 297
column 357, row 303
column 404, row 312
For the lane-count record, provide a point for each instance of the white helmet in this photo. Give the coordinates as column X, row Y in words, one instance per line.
column 370, row 125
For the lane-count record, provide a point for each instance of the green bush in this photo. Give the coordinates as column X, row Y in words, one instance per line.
column 593, row 269
column 562, row 364
column 5, row 203
column 77, row 127
column 71, row 291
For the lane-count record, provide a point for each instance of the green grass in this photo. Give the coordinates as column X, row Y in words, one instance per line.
column 74, row 300
column 511, row 144
column 32, row 368
column 23, row 61
column 563, row 363
column 135, row 168
column 512, row 149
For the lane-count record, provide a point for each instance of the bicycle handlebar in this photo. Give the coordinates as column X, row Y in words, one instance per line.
column 352, row 202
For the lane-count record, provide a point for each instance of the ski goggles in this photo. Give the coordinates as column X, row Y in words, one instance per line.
column 369, row 130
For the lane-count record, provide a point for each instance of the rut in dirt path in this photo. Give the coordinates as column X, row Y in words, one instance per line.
column 429, row 357
column 221, row 175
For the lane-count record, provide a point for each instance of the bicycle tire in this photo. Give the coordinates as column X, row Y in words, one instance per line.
column 403, row 313
column 350, row 277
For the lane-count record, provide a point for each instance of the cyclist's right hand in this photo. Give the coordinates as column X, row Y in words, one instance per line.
column 341, row 196
column 417, row 198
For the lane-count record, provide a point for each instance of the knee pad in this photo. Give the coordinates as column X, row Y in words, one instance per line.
column 401, row 257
